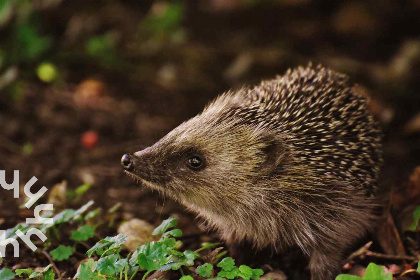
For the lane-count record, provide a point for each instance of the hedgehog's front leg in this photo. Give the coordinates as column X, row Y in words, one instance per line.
column 324, row 265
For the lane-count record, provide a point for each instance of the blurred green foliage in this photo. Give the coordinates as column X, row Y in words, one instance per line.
column 30, row 44
column 164, row 22
column 31, row 48
column 102, row 49
column 23, row 46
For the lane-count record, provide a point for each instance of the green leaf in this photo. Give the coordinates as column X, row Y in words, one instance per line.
column 416, row 217
column 110, row 265
column 208, row 245
column 81, row 190
column 88, row 271
column 229, row 270
column 418, row 266
column 83, row 233
column 169, row 243
column 375, row 272
column 205, row 270
column 256, row 273
column 49, row 275
column 36, row 274
column 11, row 232
column 173, row 233
column 82, row 209
column 226, row 264
column 186, row 277
column 93, row 213
column 347, row 277
column 190, row 255
column 245, row 272
column 46, row 273
column 108, row 243
column 61, row 253
column 27, row 271
column 152, row 256
column 6, row 274
column 165, row 225
column 64, row 216
column 229, row 274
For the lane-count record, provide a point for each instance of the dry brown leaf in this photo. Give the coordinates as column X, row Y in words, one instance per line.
column 58, row 194
column 389, row 237
column 138, row 232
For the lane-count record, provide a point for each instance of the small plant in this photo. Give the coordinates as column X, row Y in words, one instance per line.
column 108, row 259
column 373, row 272
column 159, row 257
column 52, row 231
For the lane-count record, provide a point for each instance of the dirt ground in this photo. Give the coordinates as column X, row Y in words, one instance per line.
column 224, row 45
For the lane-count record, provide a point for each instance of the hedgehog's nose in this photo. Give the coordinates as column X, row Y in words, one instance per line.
column 126, row 162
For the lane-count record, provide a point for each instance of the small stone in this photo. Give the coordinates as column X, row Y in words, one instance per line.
column 275, row 275
column 138, row 232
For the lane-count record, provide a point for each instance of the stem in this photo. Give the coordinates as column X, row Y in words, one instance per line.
column 84, row 244
column 52, row 263
column 145, row 275
column 135, row 272
column 56, row 232
column 107, row 250
column 219, row 256
column 127, row 267
column 207, row 247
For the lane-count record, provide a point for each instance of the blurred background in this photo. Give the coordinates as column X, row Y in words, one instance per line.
column 83, row 82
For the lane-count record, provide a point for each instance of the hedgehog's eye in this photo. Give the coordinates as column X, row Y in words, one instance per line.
column 195, row 163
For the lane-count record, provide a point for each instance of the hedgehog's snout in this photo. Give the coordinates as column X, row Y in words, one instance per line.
column 127, row 162
column 146, row 166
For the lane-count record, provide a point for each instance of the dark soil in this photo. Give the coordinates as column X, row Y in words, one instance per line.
column 156, row 90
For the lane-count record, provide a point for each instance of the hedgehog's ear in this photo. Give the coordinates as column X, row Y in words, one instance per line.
column 274, row 151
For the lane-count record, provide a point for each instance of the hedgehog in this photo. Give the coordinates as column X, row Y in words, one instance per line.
column 291, row 162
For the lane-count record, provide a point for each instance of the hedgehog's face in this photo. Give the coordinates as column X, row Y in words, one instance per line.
column 208, row 164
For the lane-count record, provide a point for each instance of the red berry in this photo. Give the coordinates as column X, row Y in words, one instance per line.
column 89, row 139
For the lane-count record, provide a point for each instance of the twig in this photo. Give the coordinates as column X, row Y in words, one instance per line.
column 407, row 272
column 359, row 252
column 157, row 274
column 56, row 270
column 390, row 257
column 411, row 249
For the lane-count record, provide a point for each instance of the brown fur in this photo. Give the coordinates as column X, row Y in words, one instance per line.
column 292, row 161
